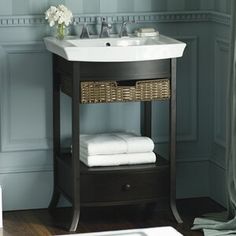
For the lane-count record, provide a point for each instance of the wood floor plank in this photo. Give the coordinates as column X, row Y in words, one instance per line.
column 43, row 223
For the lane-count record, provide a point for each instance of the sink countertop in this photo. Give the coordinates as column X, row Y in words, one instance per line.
column 116, row 49
column 156, row 231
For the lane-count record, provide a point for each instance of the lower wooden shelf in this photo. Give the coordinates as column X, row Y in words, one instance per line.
column 115, row 185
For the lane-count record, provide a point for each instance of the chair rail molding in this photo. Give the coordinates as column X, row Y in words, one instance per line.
column 24, row 20
column 186, row 16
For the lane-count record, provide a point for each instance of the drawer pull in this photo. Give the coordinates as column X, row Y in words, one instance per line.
column 127, row 187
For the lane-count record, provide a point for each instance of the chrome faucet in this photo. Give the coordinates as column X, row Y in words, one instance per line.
column 105, row 29
column 85, row 32
column 123, row 29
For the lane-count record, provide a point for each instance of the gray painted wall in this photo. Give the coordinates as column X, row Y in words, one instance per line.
column 220, row 45
column 25, row 7
column 25, row 96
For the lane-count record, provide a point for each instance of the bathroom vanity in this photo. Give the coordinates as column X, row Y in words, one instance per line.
column 124, row 61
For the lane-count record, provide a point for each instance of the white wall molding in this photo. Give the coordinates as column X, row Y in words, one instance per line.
column 217, row 163
column 221, row 50
column 148, row 17
column 8, row 141
column 188, row 16
column 221, row 18
column 25, row 20
column 31, row 169
column 30, row 161
column 217, row 183
column 189, row 159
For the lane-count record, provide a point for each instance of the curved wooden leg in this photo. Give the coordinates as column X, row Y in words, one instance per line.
column 55, row 199
column 75, row 147
column 56, row 134
column 75, row 220
column 175, row 211
column 173, row 143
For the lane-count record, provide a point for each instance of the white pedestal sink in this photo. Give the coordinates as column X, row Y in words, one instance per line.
column 157, row 231
column 116, row 49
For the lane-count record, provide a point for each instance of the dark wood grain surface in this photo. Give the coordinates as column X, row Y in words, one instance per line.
column 42, row 223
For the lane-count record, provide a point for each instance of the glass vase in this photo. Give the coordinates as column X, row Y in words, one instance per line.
column 61, row 31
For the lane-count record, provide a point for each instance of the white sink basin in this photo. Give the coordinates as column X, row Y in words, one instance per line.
column 116, row 49
column 113, row 42
column 156, row 231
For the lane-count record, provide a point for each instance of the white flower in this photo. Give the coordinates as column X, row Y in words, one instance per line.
column 58, row 15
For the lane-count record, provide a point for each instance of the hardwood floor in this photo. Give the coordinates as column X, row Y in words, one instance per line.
column 42, row 223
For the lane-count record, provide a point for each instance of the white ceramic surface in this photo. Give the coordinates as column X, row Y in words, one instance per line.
column 116, row 49
column 157, row 231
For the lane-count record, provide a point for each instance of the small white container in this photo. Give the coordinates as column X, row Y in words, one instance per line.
column 1, row 225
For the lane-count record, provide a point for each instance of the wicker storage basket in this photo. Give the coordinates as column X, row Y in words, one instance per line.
column 111, row 91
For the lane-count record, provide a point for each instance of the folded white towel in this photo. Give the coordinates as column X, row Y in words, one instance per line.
column 102, row 144
column 118, row 159
column 115, row 143
column 136, row 144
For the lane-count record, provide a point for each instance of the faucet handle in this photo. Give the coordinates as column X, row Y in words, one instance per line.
column 105, row 23
column 109, row 26
column 123, row 28
column 105, row 29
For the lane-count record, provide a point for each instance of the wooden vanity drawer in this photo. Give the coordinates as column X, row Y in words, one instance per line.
column 125, row 187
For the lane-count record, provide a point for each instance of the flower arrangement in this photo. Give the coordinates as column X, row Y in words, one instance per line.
column 60, row 16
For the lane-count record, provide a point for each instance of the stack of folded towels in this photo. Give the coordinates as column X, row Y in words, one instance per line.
column 113, row 149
